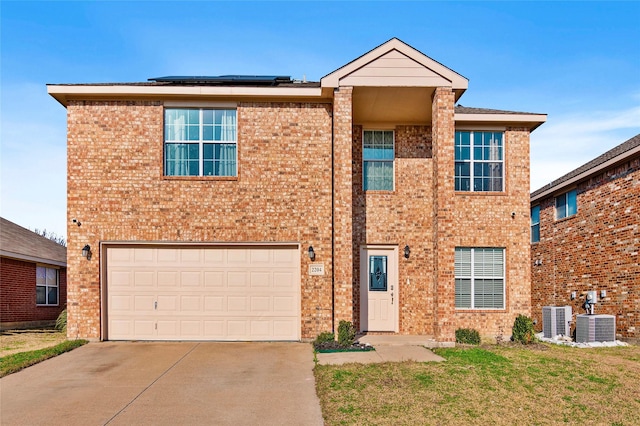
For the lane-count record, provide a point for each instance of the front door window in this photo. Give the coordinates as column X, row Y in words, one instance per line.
column 377, row 273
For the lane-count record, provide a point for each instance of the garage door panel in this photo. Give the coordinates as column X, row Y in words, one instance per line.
column 260, row 304
column 190, row 304
column 214, row 257
column 237, row 304
column 214, row 304
column 260, row 279
column 144, row 303
column 190, row 278
column 214, row 279
column 203, row 293
column 144, row 279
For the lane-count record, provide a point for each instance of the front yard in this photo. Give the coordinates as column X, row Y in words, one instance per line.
column 507, row 384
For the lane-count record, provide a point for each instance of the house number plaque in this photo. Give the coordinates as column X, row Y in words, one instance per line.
column 316, row 269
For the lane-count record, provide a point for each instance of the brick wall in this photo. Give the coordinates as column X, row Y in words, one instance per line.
column 485, row 220
column 117, row 190
column 400, row 217
column 18, row 293
column 596, row 249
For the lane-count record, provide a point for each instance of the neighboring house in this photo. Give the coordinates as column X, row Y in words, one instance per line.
column 33, row 278
column 585, row 236
column 262, row 208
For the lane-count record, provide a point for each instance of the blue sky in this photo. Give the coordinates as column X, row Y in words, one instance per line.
column 578, row 62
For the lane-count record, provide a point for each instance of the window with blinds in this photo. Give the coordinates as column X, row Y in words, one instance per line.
column 479, row 278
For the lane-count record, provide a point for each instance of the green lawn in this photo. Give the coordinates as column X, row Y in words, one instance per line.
column 490, row 385
column 16, row 362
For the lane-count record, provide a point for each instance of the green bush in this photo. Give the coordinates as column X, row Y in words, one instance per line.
column 61, row 321
column 468, row 336
column 324, row 337
column 346, row 334
column 523, row 330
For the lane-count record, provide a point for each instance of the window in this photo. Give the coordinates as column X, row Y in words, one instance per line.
column 535, row 224
column 378, row 154
column 479, row 161
column 46, row 286
column 479, row 276
column 200, row 142
column 377, row 273
column 566, row 204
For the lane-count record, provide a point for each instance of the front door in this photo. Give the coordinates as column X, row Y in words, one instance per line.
column 378, row 289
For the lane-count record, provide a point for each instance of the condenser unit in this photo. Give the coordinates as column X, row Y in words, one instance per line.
column 595, row 328
column 555, row 321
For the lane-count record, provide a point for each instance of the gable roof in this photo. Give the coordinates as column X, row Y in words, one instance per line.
column 20, row 243
column 395, row 63
column 616, row 155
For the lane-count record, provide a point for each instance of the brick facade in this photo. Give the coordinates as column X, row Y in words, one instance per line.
column 299, row 180
column 595, row 249
column 18, row 294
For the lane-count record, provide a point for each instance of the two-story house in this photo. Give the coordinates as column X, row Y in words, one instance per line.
column 585, row 237
column 264, row 208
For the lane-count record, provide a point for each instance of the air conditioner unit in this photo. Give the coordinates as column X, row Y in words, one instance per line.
column 595, row 328
column 555, row 320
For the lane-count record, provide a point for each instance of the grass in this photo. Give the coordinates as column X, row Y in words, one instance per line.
column 489, row 385
column 16, row 362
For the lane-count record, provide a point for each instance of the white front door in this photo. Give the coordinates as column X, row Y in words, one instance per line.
column 378, row 289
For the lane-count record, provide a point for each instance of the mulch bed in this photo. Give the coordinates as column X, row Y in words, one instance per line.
column 333, row 346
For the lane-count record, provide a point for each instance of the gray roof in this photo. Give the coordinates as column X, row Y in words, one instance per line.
column 459, row 109
column 20, row 243
column 618, row 151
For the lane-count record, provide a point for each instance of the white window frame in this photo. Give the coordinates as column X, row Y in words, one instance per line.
column 473, row 276
column 472, row 161
column 535, row 224
column 384, row 160
column 200, row 142
column 47, row 286
column 566, row 213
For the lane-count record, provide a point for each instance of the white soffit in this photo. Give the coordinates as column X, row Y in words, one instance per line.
column 395, row 63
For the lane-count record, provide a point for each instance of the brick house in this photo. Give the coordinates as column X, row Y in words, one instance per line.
column 33, row 278
column 586, row 236
column 262, row 208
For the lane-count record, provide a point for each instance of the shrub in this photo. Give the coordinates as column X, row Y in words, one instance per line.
column 523, row 330
column 324, row 337
column 61, row 321
column 468, row 336
column 346, row 334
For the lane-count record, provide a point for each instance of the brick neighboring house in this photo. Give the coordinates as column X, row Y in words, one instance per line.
column 586, row 237
column 262, row 208
column 33, row 278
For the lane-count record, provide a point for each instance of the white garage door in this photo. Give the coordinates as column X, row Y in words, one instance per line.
column 203, row 293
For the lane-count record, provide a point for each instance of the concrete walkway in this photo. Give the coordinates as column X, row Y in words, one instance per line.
column 392, row 348
column 118, row 383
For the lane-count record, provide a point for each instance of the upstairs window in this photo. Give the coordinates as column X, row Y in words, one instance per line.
column 200, row 142
column 479, row 278
column 378, row 155
column 535, row 224
column 479, row 161
column 47, row 283
column 567, row 204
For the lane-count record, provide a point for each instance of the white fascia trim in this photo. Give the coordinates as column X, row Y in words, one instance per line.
column 33, row 259
column 61, row 91
column 571, row 182
column 507, row 118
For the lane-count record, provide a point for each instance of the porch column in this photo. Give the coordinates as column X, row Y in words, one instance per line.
column 343, row 205
column 443, row 227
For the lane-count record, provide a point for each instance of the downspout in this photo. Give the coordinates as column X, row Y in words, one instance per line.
column 333, row 221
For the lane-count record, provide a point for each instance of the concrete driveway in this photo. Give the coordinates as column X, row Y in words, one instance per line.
column 154, row 383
